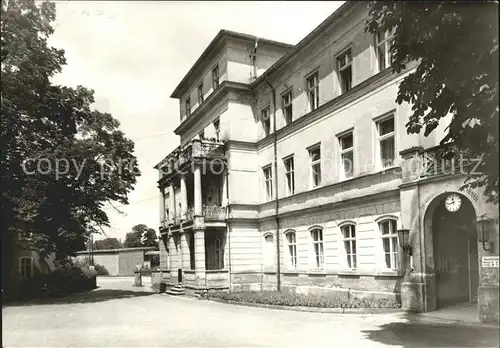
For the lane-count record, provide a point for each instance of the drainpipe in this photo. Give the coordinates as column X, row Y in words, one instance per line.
column 226, row 177
column 254, row 59
column 276, row 205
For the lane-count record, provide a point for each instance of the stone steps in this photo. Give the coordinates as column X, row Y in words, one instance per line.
column 177, row 290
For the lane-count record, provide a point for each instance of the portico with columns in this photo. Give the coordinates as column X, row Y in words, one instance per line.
column 193, row 215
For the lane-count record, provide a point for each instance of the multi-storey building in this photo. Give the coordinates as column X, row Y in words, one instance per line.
column 295, row 172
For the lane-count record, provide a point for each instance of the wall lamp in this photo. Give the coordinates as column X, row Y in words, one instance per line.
column 404, row 240
column 484, row 228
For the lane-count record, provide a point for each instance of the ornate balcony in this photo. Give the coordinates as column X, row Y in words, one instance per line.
column 214, row 213
column 182, row 156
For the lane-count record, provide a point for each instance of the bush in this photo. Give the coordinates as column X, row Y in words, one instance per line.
column 66, row 279
column 85, row 264
column 101, row 270
column 296, row 300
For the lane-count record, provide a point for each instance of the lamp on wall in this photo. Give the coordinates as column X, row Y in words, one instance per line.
column 404, row 240
column 484, row 227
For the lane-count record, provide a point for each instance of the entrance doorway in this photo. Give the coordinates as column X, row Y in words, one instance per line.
column 455, row 251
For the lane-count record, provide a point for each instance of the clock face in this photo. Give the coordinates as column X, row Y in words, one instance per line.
column 453, row 202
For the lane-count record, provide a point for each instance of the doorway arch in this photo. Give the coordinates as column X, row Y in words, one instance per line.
column 454, row 249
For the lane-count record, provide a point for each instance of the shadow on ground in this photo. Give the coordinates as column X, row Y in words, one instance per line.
column 418, row 333
column 97, row 295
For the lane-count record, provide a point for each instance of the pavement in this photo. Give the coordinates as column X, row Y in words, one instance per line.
column 117, row 314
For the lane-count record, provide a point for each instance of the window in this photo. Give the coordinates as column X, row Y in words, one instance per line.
column 313, row 91
column 217, row 129
column 219, row 253
column 26, row 267
column 315, row 158
column 266, row 120
column 344, row 70
column 388, row 230
column 268, row 181
column 289, row 173
column 386, row 142
column 292, row 249
column 202, row 135
column 188, row 106
column 268, row 251
column 383, row 45
column 349, row 234
column 286, row 101
column 201, row 97
column 192, row 257
column 215, row 77
column 346, row 156
column 317, row 240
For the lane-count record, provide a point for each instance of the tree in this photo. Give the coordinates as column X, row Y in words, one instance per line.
column 108, row 243
column 141, row 236
column 455, row 45
column 61, row 161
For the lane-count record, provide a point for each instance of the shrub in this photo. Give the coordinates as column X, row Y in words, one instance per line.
column 296, row 300
column 101, row 270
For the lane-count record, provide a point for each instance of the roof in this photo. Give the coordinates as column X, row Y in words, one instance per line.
column 116, row 250
column 337, row 14
column 220, row 37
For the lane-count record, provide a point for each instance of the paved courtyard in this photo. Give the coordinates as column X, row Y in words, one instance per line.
column 120, row 315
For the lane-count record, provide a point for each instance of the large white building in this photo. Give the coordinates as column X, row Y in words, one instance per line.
column 295, row 172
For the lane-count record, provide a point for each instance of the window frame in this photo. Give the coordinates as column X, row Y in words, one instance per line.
column 215, row 77
column 216, row 124
column 386, row 42
column 394, row 251
column 187, row 105
column 344, row 152
column 266, row 120
column 318, row 247
column 378, row 121
column 313, row 106
column 312, row 164
column 219, row 251
column 21, row 268
column 201, row 134
column 268, row 181
column 289, row 174
column 341, row 69
column 351, row 239
column 201, row 96
column 292, row 249
column 287, row 105
column 269, row 261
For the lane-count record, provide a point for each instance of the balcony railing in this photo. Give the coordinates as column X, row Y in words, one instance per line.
column 210, row 213
column 207, row 149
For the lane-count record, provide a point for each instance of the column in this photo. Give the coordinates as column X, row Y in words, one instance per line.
column 162, row 207
column 197, row 191
column 199, row 251
column 171, row 193
column 224, row 199
column 183, row 197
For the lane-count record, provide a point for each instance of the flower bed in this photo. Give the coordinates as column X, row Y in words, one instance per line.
column 296, row 300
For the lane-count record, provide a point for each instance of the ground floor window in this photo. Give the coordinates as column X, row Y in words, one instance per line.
column 26, row 267
column 192, row 261
column 214, row 249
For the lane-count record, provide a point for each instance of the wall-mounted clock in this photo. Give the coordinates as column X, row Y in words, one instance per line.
column 453, row 202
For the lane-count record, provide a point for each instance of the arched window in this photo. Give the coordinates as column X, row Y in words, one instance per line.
column 292, row 249
column 268, row 250
column 388, row 231
column 349, row 236
column 317, row 241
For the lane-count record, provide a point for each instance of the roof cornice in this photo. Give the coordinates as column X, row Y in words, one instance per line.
column 336, row 15
column 218, row 40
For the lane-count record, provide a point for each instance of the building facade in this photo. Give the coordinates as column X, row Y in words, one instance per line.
column 295, row 173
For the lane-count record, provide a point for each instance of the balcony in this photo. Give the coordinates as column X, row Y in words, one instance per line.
column 179, row 159
column 211, row 213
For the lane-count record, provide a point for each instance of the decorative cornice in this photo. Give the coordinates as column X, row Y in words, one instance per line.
column 224, row 88
column 240, row 145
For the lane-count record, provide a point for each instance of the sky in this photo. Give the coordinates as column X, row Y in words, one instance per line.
column 134, row 53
